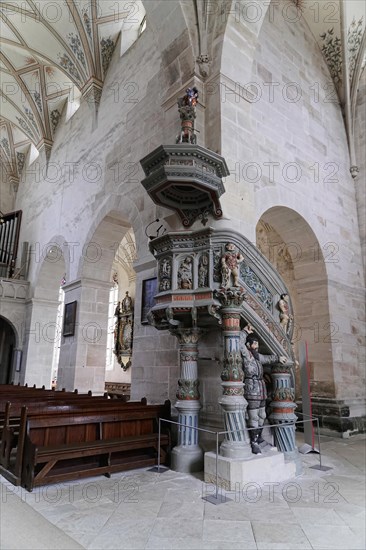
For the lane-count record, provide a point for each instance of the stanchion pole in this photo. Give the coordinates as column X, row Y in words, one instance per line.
column 320, row 467
column 159, row 445
column 318, row 435
column 217, row 455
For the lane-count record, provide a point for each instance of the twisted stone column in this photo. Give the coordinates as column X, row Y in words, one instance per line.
column 234, row 404
column 283, row 414
column 283, row 407
column 187, row 456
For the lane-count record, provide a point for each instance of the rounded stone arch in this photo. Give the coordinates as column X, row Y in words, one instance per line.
column 291, row 245
column 105, row 233
column 8, row 344
column 83, row 355
column 42, row 327
column 13, row 326
column 53, row 263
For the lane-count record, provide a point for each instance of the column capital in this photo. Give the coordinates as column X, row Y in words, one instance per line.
column 188, row 336
column 232, row 297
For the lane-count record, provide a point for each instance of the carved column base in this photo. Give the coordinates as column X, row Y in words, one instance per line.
column 187, row 456
column 284, row 434
column 283, row 415
column 236, row 444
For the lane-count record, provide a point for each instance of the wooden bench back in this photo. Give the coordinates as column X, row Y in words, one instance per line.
column 8, row 389
column 62, row 429
column 65, row 406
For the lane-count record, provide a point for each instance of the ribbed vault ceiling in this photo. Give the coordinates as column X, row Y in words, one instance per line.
column 55, row 52
column 52, row 53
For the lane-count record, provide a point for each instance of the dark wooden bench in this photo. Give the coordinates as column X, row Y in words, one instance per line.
column 12, row 424
column 41, row 402
column 71, row 446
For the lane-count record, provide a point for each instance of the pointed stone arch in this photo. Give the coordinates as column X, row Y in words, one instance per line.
column 114, row 219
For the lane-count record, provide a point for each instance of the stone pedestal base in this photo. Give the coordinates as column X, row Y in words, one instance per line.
column 234, row 474
column 187, row 459
column 239, row 450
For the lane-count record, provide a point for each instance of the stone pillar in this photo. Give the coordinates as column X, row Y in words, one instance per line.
column 187, row 456
column 283, row 415
column 92, row 93
column 83, row 355
column 40, row 336
column 236, row 443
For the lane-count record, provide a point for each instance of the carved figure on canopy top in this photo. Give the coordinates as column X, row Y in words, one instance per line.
column 190, row 99
column 187, row 110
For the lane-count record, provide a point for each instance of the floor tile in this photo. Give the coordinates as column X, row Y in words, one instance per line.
column 142, row 509
column 332, row 537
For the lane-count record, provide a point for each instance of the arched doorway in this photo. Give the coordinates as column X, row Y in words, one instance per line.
column 7, row 345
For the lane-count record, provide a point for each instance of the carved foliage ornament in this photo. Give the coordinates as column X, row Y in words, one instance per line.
column 232, row 371
column 231, row 297
column 188, row 389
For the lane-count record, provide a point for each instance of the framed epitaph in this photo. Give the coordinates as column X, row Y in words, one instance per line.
column 69, row 319
column 149, row 290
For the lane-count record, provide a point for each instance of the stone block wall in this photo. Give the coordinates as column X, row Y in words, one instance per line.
column 282, row 150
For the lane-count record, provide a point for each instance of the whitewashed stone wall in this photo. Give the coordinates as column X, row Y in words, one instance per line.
column 288, row 148
column 91, row 193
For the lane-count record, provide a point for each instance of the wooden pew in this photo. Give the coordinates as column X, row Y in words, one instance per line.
column 71, row 446
column 35, row 401
column 11, row 459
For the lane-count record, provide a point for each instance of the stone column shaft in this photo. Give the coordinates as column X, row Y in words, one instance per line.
column 233, row 402
column 187, row 456
column 283, row 414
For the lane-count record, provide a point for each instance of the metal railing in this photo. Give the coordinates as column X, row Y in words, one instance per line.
column 219, row 433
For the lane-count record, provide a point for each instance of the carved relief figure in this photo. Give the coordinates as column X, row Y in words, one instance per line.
column 203, row 271
column 229, row 266
column 164, row 285
column 166, row 268
column 165, row 274
column 285, row 315
column 185, row 276
column 126, row 305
